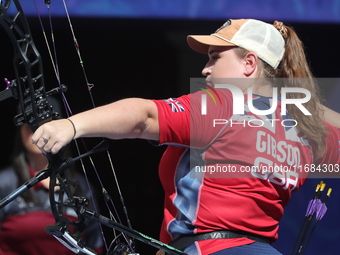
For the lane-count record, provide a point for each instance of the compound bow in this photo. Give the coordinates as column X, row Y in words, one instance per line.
column 29, row 88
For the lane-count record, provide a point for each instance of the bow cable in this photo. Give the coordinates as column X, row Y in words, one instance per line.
column 90, row 86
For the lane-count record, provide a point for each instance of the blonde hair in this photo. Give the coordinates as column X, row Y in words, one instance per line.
column 292, row 67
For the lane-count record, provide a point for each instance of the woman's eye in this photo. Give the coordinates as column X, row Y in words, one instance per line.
column 215, row 58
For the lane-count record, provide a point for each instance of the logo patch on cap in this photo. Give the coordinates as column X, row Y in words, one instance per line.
column 226, row 24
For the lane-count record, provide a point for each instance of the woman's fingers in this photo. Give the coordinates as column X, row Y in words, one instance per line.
column 52, row 136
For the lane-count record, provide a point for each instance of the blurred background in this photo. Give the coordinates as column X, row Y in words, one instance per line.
column 134, row 48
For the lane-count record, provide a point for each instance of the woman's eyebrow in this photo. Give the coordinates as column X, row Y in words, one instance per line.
column 213, row 51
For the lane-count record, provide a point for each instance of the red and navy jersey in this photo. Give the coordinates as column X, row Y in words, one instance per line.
column 230, row 171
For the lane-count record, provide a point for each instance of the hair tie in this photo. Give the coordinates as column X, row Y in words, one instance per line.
column 281, row 28
column 74, row 128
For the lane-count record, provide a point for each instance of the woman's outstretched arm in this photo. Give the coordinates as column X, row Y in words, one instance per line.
column 128, row 118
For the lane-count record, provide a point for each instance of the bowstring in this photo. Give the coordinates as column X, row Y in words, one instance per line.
column 89, row 87
column 55, row 65
column 76, row 45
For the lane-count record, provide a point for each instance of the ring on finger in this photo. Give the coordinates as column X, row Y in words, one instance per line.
column 45, row 139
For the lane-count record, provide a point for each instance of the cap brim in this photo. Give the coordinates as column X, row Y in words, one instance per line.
column 201, row 43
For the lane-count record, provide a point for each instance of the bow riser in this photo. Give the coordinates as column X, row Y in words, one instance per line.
column 28, row 68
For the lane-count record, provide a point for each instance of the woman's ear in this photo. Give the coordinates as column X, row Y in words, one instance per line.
column 250, row 63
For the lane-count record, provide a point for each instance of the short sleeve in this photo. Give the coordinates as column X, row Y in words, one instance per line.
column 182, row 120
column 174, row 120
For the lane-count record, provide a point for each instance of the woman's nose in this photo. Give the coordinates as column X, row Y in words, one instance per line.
column 206, row 70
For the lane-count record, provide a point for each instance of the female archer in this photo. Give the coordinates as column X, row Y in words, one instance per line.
column 224, row 212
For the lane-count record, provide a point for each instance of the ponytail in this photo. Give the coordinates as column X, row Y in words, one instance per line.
column 295, row 72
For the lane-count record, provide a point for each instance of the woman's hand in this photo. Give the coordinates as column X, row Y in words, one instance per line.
column 54, row 135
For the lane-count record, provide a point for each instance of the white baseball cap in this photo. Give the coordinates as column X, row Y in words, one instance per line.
column 253, row 35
